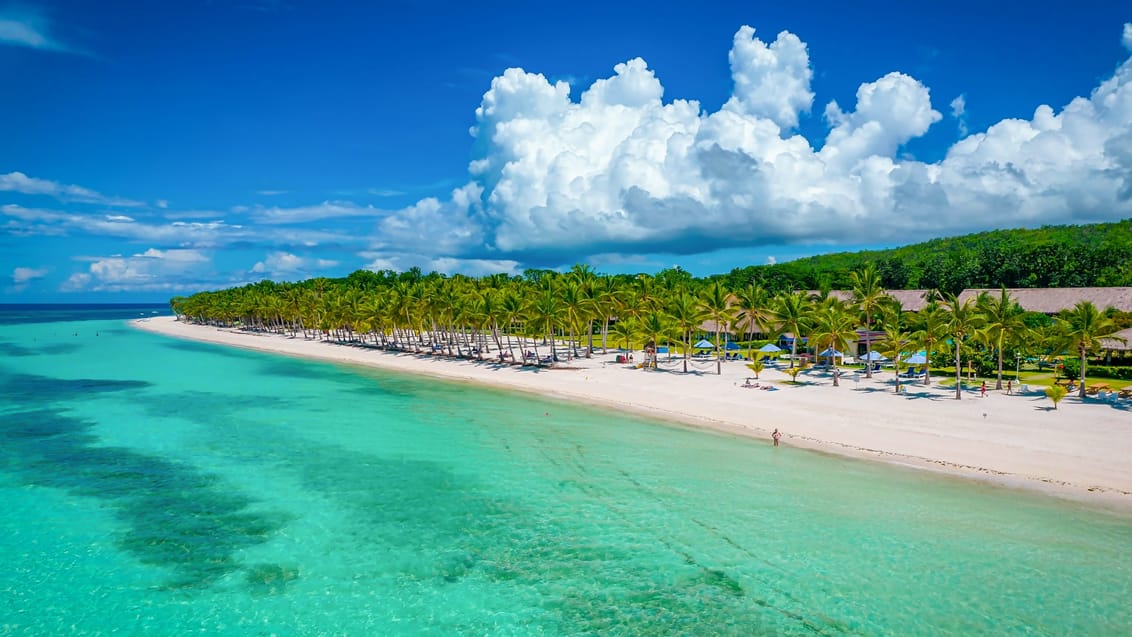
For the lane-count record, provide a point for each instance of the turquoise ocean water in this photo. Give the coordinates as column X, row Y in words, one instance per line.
column 151, row 486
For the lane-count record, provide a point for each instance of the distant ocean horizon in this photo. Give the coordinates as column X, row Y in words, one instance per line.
column 160, row 486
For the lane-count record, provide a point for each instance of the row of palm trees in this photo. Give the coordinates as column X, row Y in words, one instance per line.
column 464, row 316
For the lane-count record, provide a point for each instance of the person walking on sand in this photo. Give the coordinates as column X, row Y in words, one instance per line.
column 1009, row 387
column 983, row 390
column 776, row 436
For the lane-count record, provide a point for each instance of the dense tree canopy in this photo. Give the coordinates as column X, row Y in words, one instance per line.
column 1051, row 256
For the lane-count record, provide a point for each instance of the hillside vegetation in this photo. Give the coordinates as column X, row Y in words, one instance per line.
column 1051, row 256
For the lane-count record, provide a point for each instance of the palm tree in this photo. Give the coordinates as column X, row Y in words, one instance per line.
column 546, row 313
column 894, row 344
column 511, row 309
column 1056, row 393
column 688, row 314
column 588, row 309
column 717, row 303
column 834, row 327
column 626, row 329
column 754, row 309
column 657, row 328
column 867, row 294
column 791, row 312
column 1004, row 324
column 607, row 295
column 962, row 321
column 932, row 329
column 1085, row 327
column 572, row 295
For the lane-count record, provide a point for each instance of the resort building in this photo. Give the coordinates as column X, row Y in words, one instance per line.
column 1044, row 300
column 1054, row 300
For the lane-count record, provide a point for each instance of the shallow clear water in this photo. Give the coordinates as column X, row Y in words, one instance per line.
column 154, row 486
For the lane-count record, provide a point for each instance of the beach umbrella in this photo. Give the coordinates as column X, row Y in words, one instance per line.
column 731, row 345
column 874, row 356
column 770, row 348
column 703, row 343
column 916, row 359
column 831, row 353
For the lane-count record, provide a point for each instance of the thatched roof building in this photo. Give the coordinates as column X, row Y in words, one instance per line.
column 1115, row 345
column 1054, row 300
column 910, row 300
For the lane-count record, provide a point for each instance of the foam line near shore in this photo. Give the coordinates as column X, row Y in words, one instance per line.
column 1081, row 451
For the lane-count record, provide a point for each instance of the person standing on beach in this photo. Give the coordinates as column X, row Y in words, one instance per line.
column 776, row 436
column 983, row 390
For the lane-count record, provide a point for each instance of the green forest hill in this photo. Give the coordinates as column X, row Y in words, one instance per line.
column 1050, row 256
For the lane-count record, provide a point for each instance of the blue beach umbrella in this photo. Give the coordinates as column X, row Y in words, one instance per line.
column 916, row 359
column 731, row 345
column 703, row 343
column 831, row 353
column 874, row 356
column 770, row 348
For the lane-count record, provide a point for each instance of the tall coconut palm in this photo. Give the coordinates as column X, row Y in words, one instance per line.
column 571, row 294
column 930, row 332
column 894, row 344
column 834, row 327
column 586, row 279
column 1004, row 324
column 867, row 294
column 1085, row 326
column 511, row 309
column 546, row 313
column 792, row 314
column 962, row 321
column 688, row 313
column 607, row 297
column 626, row 330
column 657, row 327
column 754, row 307
column 716, row 301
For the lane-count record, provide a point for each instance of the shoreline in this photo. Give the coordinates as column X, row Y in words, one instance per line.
column 1081, row 451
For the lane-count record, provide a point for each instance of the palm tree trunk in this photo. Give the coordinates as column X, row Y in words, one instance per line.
column 958, row 367
column 998, row 385
column 868, row 346
column 1081, row 391
column 604, row 335
column 687, row 352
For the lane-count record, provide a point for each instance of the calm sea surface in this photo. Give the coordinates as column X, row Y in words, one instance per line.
column 151, row 486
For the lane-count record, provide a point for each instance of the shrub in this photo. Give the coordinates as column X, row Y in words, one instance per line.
column 1056, row 393
column 1072, row 369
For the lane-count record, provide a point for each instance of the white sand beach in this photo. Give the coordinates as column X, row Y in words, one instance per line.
column 1081, row 450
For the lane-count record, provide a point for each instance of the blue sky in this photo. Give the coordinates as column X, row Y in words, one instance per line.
column 156, row 148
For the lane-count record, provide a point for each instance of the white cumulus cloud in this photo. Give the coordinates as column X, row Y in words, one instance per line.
column 772, row 81
column 21, row 183
column 556, row 180
column 959, row 112
column 23, row 275
column 470, row 267
column 288, row 265
column 149, row 271
column 23, row 27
